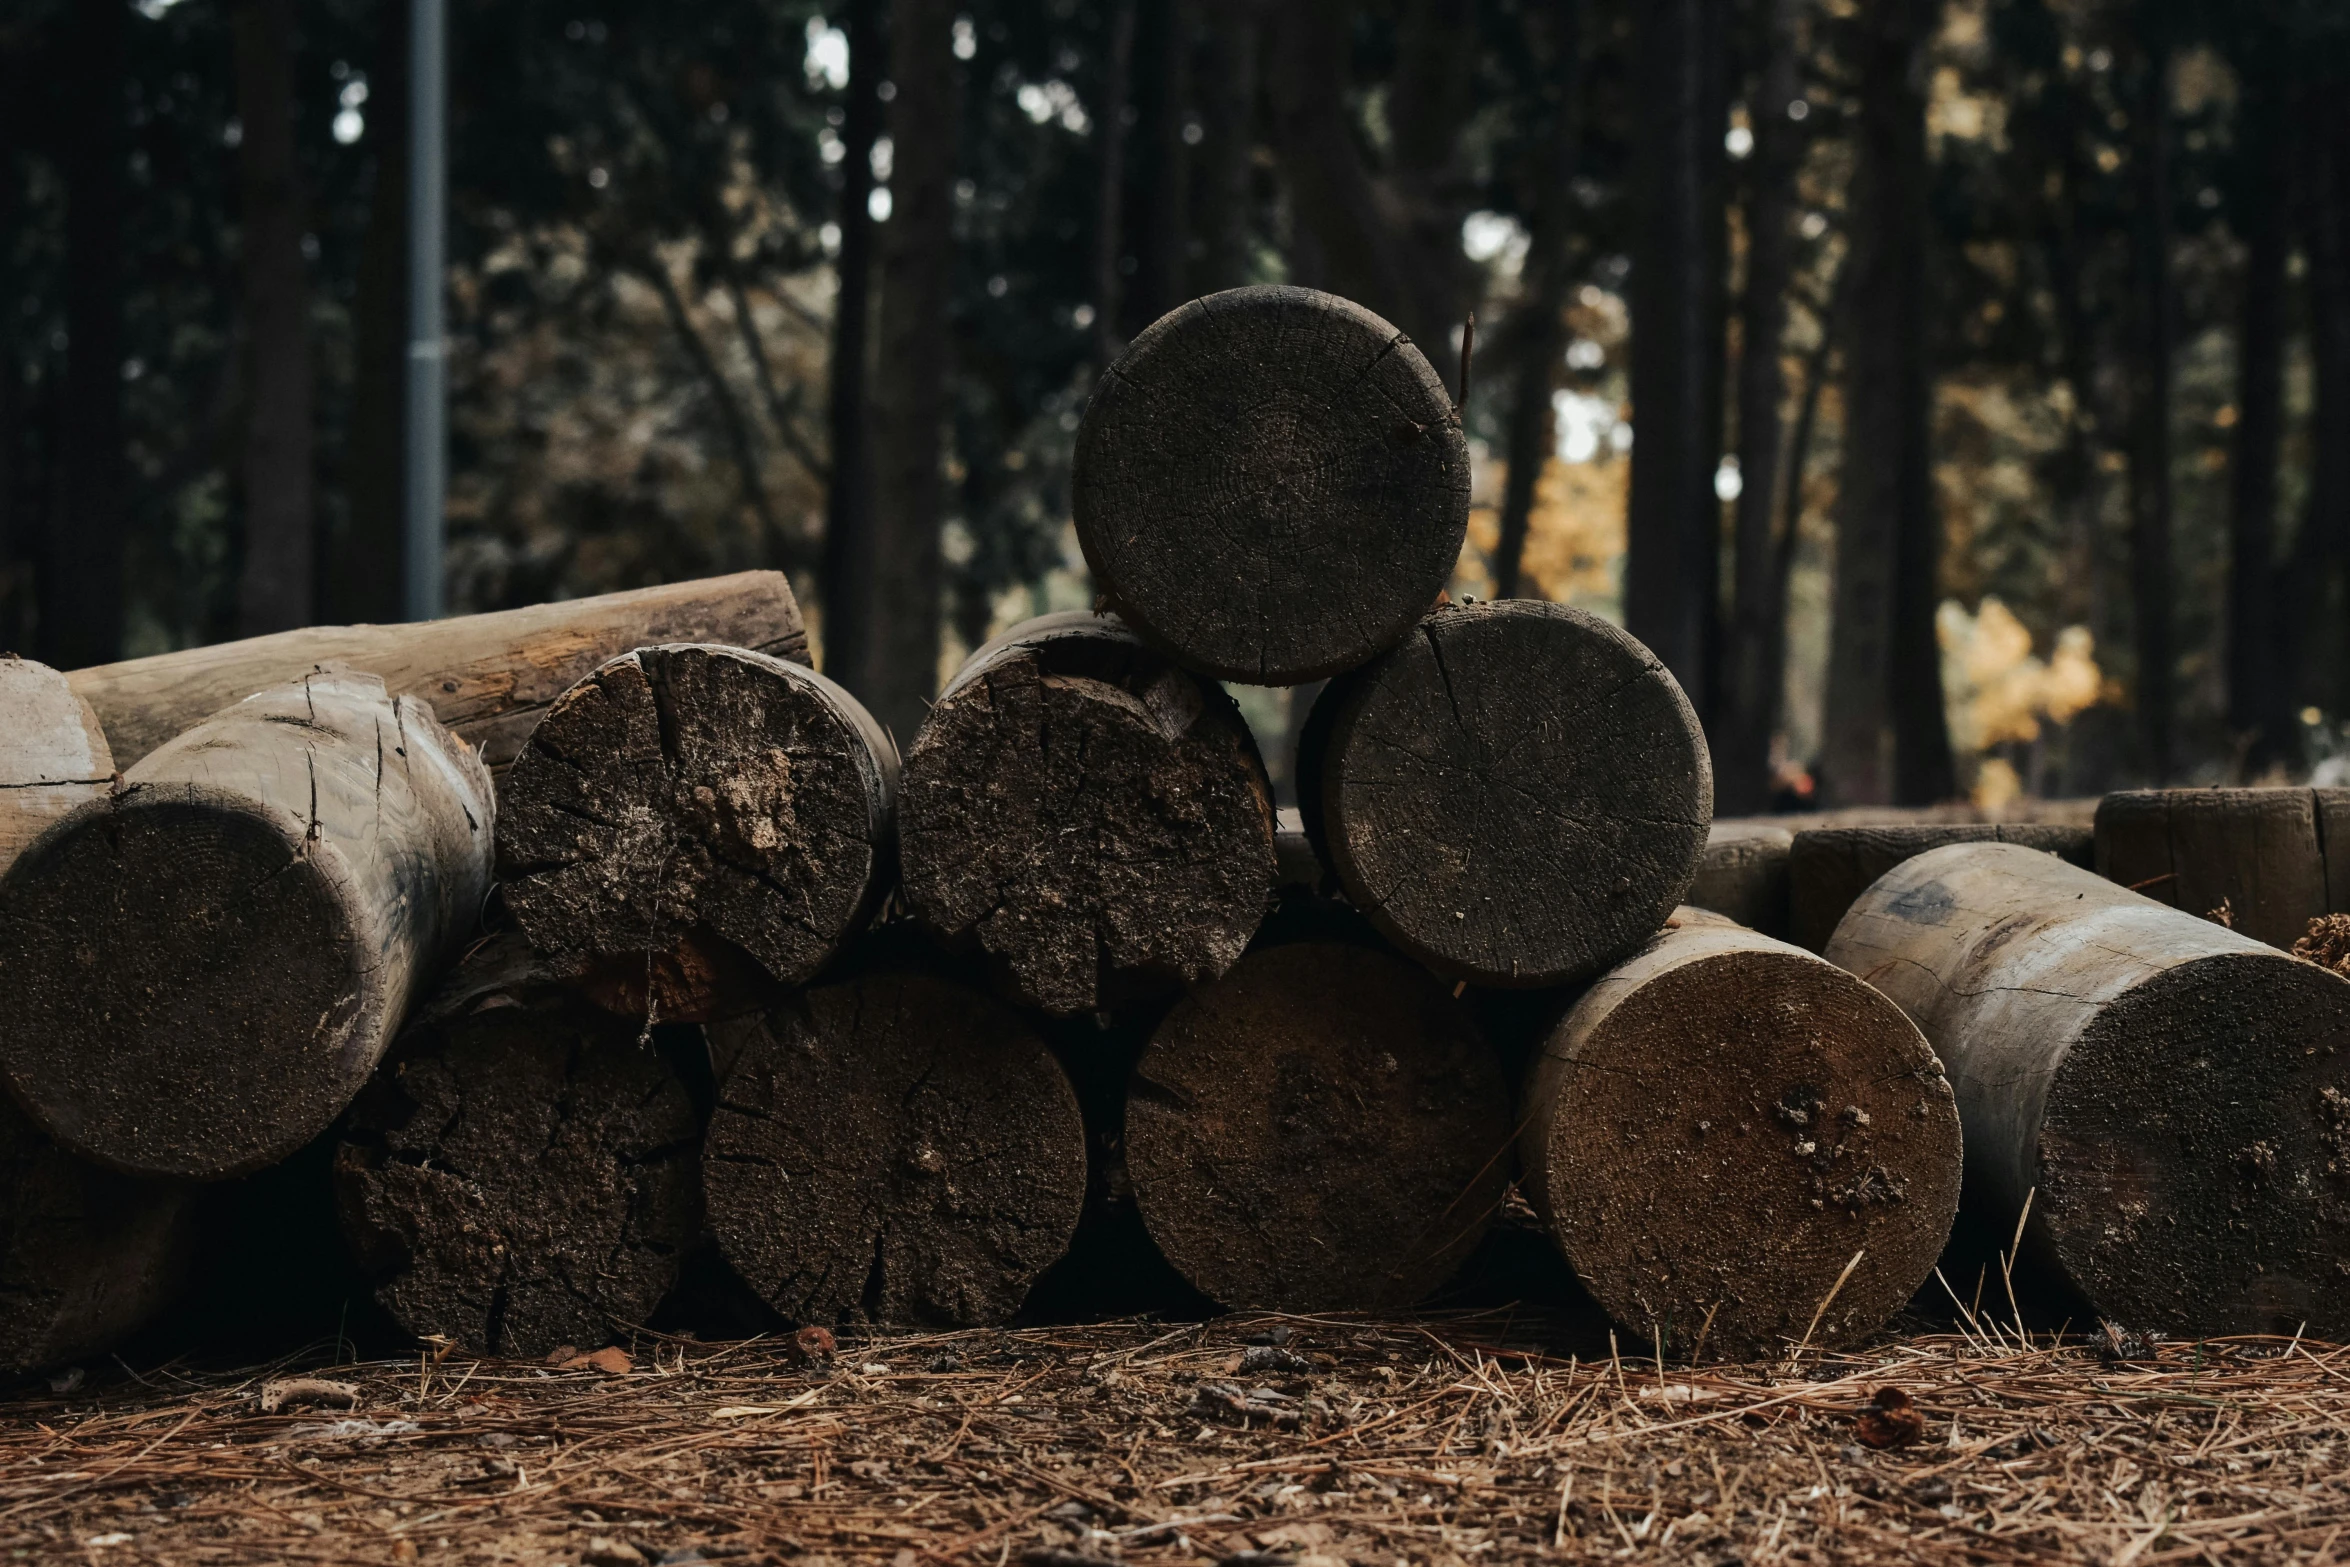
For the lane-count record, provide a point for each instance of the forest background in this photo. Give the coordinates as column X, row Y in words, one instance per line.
column 1989, row 359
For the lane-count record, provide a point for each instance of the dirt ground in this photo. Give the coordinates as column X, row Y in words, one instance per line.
column 1241, row 1440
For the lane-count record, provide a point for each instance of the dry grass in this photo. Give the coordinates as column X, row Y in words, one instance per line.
column 1427, row 1440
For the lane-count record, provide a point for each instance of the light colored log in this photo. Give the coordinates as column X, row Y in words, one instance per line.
column 1743, row 874
column 53, row 755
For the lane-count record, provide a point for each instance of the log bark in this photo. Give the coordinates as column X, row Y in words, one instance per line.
column 1271, row 485
column 1094, row 818
column 53, row 755
column 1518, row 795
column 1322, row 1129
column 208, row 962
column 1743, row 875
column 685, row 804
column 2172, row 1098
column 87, row 1256
column 1828, row 868
column 2274, row 859
column 894, row 1149
column 487, row 677
column 1721, row 1124
column 523, row 1172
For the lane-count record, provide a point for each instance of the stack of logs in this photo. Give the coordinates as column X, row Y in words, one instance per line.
column 595, row 934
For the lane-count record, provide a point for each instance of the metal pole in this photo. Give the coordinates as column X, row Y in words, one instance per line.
column 425, row 470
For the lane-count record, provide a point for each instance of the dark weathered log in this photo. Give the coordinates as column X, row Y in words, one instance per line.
column 2272, row 859
column 2172, row 1099
column 1829, row 867
column 1095, row 818
column 1320, row 1129
column 206, row 964
column 1721, row 1125
column 87, row 1256
column 1743, row 875
column 896, row 1148
column 487, row 677
column 1272, row 484
column 686, row 804
column 53, row 755
column 1517, row 795
column 522, row 1172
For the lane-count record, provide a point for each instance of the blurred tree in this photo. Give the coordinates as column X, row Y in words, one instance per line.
column 2152, row 586
column 850, row 544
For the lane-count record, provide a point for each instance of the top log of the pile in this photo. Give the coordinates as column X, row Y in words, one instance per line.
column 1094, row 818
column 53, row 755
column 1271, row 485
column 1518, row 795
column 1829, row 867
column 2271, row 859
column 2172, row 1098
column 206, row 963
column 486, row 677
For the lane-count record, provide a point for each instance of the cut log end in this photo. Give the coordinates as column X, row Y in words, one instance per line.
column 1722, row 1125
column 1143, row 787
column 522, row 1178
column 894, row 1149
column 1320, row 1129
column 684, row 800
column 1518, row 795
column 1271, row 484
column 2195, row 1153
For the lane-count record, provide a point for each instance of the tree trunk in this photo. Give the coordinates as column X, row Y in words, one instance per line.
column 1828, row 868
column 1691, row 1210
column 81, row 593
column 1322, row 1129
column 361, row 580
column 1109, row 216
column 209, row 962
column 1886, row 738
column 909, row 402
column 1743, row 875
column 1144, row 780
column 687, row 805
column 894, row 1149
column 277, row 588
column 1541, row 338
column 1272, row 485
column 1516, row 796
column 53, row 755
column 2320, row 574
column 851, row 539
column 488, row 677
column 1671, row 567
column 2272, row 859
column 1228, row 142
column 2151, row 587
column 2168, row 1096
column 1164, row 263
column 1754, row 670
column 87, row 1257
column 2260, row 698
column 523, row 1173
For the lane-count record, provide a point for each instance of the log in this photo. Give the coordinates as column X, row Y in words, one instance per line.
column 87, row 1256
column 1828, row 868
column 702, row 824
column 208, row 962
column 1093, row 817
column 1322, row 1129
column 1271, row 484
column 486, row 677
column 2172, row 1098
column 1518, row 795
column 53, row 755
column 1721, row 1124
column 1743, row 875
column 2273, row 859
column 895, row 1149
column 522, row 1173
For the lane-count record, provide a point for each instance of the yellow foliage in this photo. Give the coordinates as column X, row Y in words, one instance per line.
column 1999, row 692
column 1574, row 535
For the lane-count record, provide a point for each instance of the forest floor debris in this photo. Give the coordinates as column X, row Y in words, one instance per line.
column 1454, row 1439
